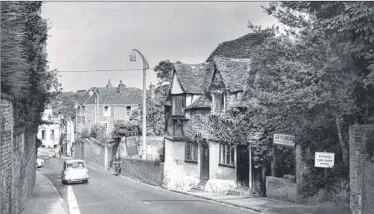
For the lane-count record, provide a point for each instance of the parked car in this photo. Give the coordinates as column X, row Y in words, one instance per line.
column 52, row 154
column 74, row 171
column 39, row 163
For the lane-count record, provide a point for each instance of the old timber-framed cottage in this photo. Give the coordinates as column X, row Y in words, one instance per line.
column 205, row 88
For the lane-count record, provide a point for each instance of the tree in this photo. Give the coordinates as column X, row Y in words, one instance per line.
column 25, row 73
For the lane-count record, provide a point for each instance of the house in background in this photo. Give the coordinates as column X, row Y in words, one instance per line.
column 206, row 88
column 105, row 105
column 49, row 133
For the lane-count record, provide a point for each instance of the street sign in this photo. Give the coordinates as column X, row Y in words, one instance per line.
column 324, row 160
column 284, row 140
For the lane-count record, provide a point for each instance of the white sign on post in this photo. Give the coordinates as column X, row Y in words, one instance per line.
column 284, row 140
column 324, row 160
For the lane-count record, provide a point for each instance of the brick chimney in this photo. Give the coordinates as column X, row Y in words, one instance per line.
column 109, row 85
column 121, row 86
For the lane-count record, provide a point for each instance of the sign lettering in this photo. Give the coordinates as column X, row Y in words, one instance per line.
column 284, row 140
column 324, row 160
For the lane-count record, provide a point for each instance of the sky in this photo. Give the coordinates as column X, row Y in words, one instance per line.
column 88, row 36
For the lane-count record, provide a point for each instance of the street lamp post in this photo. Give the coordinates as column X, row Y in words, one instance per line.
column 76, row 106
column 68, row 131
column 145, row 67
column 97, row 115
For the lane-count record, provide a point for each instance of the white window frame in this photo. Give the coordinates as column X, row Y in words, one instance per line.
column 222, row 155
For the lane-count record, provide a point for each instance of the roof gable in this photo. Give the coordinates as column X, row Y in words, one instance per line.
column 237, row 48
column 194, row 78
column 176, row 87
column 234, row 72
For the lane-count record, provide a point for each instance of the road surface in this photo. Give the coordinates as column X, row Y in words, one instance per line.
column 109, row 194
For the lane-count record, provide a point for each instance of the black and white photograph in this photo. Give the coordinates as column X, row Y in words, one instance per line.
column 187, row 107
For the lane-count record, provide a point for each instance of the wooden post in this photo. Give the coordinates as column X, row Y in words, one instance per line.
column 274, row 162
column 250, row 169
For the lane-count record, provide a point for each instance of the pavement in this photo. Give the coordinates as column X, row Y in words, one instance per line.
column 45, row 198
column 267, row 205
column 107, row 193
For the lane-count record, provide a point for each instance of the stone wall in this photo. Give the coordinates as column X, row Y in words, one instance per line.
column 361, row 171
column 17, row 161
column 146, row 171
column 94, row 153
column 280, row 188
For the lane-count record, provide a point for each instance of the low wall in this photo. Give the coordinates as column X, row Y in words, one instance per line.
column 280, row 188
column 146, row 171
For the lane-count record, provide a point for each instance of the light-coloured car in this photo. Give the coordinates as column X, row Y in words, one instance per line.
column 39, row 163
column 74, row 171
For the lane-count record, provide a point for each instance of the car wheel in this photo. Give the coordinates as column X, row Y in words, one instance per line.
column 37, row 166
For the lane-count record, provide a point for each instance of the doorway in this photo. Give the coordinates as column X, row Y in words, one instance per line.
column 242, row 166
column 204, row 170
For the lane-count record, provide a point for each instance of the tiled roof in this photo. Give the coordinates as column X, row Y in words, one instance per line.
column 202, row 102
column 238, row 48
column 195, row 78
column 113, row 95
column 234, row 72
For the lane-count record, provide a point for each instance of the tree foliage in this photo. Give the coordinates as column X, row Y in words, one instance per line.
column 125, row 129
column 24, row 72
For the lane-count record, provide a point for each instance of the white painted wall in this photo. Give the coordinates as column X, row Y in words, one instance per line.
column 48, row 142
column 176, row 88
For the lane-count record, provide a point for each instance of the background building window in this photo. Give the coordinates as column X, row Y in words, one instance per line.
column 226, row 155
column 106, row 111
column 191, row 151
column 128, row 111
column 43, row 134
column 52, row 134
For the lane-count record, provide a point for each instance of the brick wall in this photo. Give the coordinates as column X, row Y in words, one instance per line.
column 17, row 162
column 280, row 188
column 361, row 171
column 6, row 148
column 146, row 171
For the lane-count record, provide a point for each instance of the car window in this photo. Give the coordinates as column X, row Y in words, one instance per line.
column 75, row 165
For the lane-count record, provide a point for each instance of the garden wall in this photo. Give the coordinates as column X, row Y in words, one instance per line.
column 146, row 171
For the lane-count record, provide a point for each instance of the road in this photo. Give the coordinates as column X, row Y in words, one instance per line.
column 110, row 194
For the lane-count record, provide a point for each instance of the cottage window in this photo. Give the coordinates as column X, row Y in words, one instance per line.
column 128, row 111
column 43, row 134
column 226, row 155
column 106, row 111
column 52, row 134
column 191, row 151
column 178, row 103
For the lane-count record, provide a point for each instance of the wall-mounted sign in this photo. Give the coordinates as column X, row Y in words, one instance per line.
column 324, row 160
column 284, row 140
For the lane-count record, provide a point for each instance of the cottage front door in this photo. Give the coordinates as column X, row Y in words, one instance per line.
column 243, row 166
column 204, row 172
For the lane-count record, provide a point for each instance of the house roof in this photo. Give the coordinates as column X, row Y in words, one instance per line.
column 112, row 95
column 194, row 78
column 201, row 102
column 237, row 48
column 233, row 72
